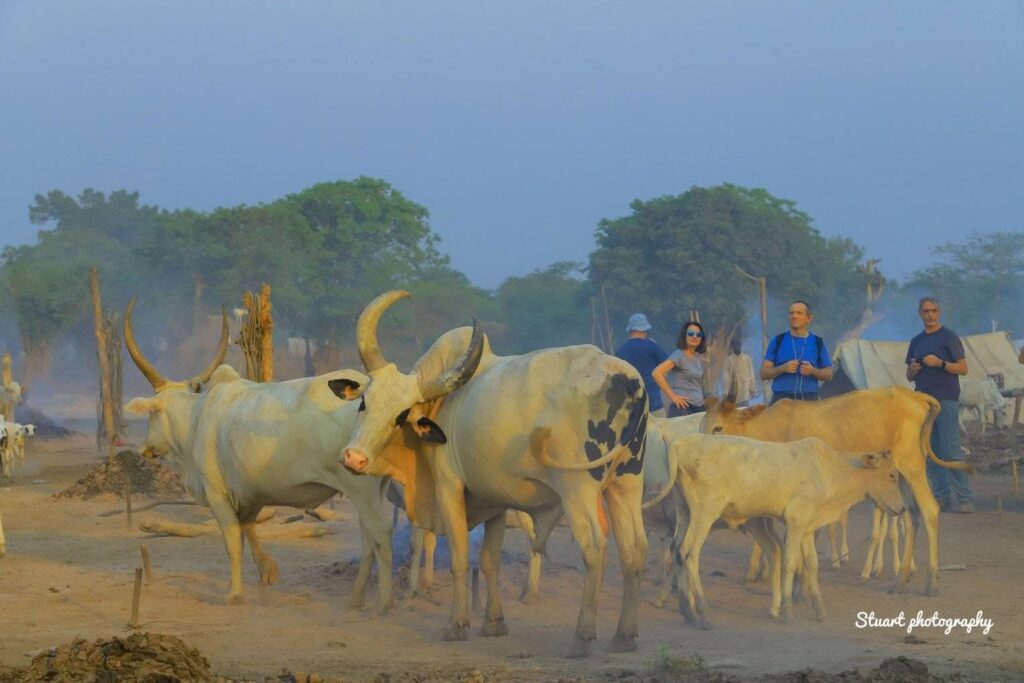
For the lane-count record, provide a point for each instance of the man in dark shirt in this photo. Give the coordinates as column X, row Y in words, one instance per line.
column 935, row 361
column 644, row 355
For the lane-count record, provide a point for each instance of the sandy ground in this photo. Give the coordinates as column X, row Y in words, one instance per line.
column 69, row 573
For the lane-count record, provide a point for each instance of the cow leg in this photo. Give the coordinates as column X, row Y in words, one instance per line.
column 755, row 569
column 844, row 546
column 810, row 564
column 263, row 560
column 452, row 504
column 792, row 559
column 865, row 572
column 585, row 522
column 830, row 529
column 770, row 545
column 358, row 596
column 531, row 587
column 687, row 599
column 415, row 558
column 231, row 531
column 929, row 511
column 377, row 531
column 700, row 526
column 429, row 548
column 490, row 563
column 894, row 540
column 623, row 497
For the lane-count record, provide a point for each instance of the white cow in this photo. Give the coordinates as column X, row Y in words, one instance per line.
column 6, row 455
column 805, row 483
column 243, row 445
column 17, row 434
column 982, row 395
column 553, row 431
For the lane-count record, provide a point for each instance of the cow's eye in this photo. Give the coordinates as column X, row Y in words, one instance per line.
column 362, row 404
column 716, row 430
column 400, row 420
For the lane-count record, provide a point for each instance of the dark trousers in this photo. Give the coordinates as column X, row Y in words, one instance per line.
column 779, row 395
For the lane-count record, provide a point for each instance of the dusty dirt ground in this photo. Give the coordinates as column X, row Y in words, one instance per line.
column 68, row 573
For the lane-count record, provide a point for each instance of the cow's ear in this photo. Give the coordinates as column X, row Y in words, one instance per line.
column 753, row 411
column 711, row 402
column 346, row 389
column 429, row 431
column 872, row 460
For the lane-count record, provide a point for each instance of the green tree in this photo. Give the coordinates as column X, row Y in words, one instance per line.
column 677, row 253
column 370, row 238
column 549, row 307
column 979, row 282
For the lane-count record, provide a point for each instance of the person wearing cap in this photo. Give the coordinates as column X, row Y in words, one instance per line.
column 644, row 354
column 738, row 373
column 683, row 376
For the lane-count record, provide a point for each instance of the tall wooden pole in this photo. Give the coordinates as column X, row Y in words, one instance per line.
column 267, row 338
column 107, row 410
column 763, row 285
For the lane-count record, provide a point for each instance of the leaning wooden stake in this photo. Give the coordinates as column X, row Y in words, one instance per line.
column 136, row 593
column 106, row 409
column 146, row 564
column 1013, row 473
column 128, row 501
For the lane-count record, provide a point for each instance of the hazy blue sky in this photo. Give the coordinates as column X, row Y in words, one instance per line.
column 521, row 124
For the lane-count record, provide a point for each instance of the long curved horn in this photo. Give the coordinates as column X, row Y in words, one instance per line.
column 366, row 329
column 222, row 349
column 460, row 373
column 730, row 397
column 145, row 367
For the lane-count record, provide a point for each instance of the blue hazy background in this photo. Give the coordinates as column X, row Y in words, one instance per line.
column 520, row 125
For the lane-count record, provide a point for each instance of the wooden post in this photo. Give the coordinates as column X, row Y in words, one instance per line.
column 128, row 501
column 136, row 594
column 1013, row 475
column 3, row 541
column 267, row 339
column 607, row 322
column 147, row 565
column 107, row 410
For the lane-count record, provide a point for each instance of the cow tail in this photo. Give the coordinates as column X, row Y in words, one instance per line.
column 539, row 448
column 926, row 440
column 669, row 484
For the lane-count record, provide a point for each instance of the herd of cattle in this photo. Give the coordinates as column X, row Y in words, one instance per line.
column 558, row 433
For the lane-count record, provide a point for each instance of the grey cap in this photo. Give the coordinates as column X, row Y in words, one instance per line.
column 638, row 323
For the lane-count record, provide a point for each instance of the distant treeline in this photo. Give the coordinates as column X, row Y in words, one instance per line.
column 329, row 249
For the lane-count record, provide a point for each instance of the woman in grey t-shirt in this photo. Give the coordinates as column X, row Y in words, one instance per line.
column 681, row 377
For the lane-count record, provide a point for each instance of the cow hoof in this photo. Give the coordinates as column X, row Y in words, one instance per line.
column 456, row 632
column 269, row 573
column 773, row 613
column 494, row 629
column 621, row 644
column 355, row 603
column 821, row 616
column 579, row 649
column 382, row 610
column 234, row 599
column 705, row 625
column 530, row 598
column 931, row 591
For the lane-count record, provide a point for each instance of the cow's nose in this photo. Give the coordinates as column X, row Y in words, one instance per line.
column 354, row 460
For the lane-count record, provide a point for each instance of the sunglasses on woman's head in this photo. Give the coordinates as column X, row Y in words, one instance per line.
column 693, row 333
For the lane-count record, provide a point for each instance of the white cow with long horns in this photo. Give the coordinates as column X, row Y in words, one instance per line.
column 553, row 431
column 243, row 445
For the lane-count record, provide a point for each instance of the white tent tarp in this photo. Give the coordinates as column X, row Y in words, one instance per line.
column 871, row 364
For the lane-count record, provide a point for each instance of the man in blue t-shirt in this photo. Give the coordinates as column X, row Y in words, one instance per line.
column 644, row 355
column 797, row 360
column 935, row 361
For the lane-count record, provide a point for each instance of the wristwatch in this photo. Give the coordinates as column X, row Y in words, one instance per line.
column 943, row 365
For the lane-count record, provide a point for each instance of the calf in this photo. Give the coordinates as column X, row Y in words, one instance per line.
column 982, row 395
column 805, row 483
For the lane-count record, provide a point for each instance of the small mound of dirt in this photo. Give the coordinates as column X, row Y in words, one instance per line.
column 892, row 670
column 148, row 657
column 147, row 476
